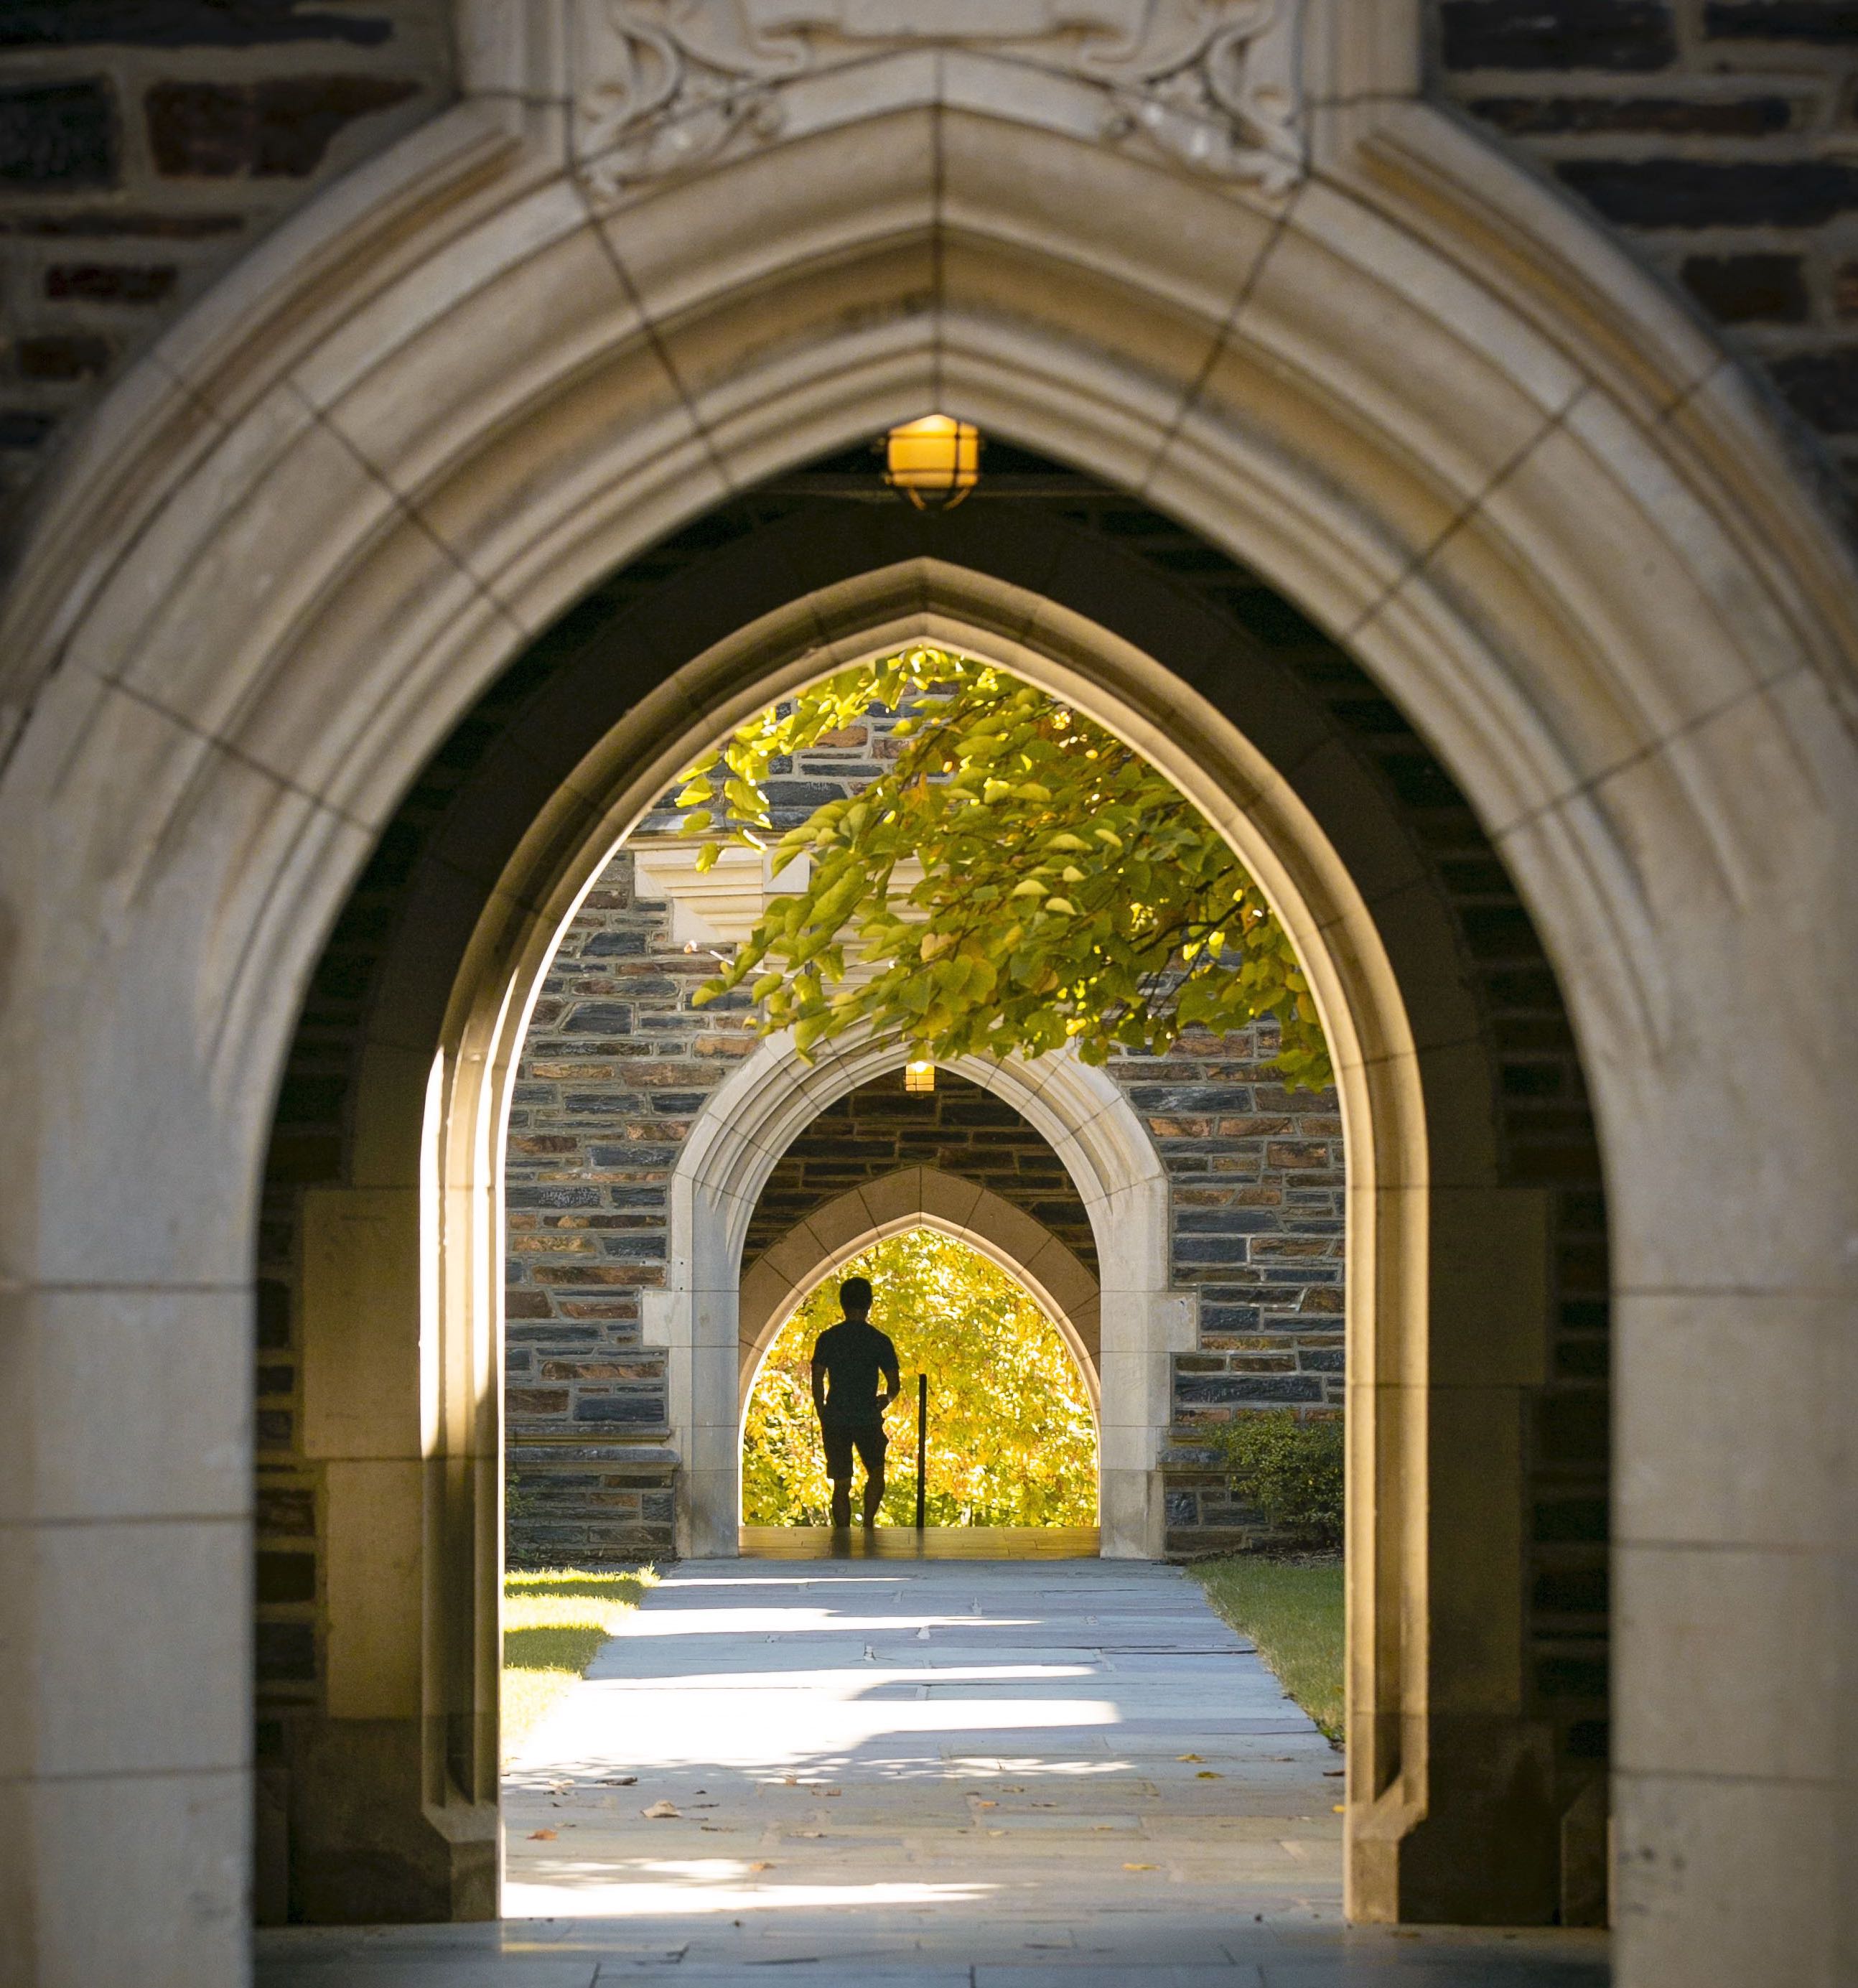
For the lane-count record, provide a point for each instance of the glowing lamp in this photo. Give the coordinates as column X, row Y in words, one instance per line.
column 934, row 462
column 919, row 1076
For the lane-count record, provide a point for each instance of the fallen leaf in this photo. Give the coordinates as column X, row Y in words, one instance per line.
column 1188, row 1756
column 1333, row 1773
column 830, row 1792
column 659, row 1811
column 979, row 1803
column 996, row 1832
column 814, row 1834
column 620, row 1781
column 1341, row 1808
column 542, row 1836
column 763, row 1865
column 1208, row 1774
column 1140, row 1867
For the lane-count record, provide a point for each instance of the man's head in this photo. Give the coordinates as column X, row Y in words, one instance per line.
column 855, row 1296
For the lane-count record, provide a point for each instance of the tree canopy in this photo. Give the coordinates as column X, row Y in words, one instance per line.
column 1069, row 893
column 1012, row 1441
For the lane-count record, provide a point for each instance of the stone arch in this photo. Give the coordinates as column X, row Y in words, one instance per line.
column 1371, row 970
column 1541, row 506
column 787, row 1272
column 733, row 1147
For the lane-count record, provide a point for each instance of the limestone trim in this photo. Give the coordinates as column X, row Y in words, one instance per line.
column 1418, row 393
column 734, row 1144
column 786, row 1273
column 659, row 89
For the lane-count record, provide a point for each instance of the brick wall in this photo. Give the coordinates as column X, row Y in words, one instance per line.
column 618, row 1063
column 1719, row 137
column 145, row 145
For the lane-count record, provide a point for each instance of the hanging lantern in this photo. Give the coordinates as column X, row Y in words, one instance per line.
column 919, row 1077
column 934, row 462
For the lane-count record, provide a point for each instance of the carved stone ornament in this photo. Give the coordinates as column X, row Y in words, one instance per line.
column 661, row 85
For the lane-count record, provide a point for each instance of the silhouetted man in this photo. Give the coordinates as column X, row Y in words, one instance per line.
column 854, row 1380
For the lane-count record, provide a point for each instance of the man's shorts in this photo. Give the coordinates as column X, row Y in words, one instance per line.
column 868, row 1438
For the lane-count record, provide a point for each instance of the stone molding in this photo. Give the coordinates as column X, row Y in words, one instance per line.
column 1429, row 401
column 660, row 87
column 733, row 1146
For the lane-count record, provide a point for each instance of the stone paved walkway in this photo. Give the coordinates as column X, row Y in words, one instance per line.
column 918, row 1775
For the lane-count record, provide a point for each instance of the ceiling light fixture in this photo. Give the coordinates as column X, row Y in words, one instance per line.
column 934, row 462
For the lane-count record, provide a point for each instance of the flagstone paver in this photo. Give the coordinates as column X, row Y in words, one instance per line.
column 907, row 1774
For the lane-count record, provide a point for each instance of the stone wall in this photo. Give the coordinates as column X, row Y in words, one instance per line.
column 617, row 1064
column 1718, row 137
column 145, row 145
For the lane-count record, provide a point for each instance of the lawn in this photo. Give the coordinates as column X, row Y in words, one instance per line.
column 1292, row 1611
column 554, row 1622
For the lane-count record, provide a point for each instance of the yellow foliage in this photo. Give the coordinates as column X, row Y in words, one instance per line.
column 1012, row 1441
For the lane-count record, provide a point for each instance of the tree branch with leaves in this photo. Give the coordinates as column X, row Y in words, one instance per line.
column 1069, row 893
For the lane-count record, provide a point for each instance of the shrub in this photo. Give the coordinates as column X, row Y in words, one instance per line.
column 1290, row 1469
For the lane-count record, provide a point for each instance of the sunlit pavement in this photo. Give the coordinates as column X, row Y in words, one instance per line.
column 995, row 1774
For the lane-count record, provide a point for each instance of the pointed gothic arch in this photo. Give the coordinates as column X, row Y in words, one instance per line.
column 733, row 1147
column 1543, row 507
column 781, row 1278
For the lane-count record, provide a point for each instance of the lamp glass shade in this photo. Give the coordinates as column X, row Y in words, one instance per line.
column 934, row 462
column 919, row 1076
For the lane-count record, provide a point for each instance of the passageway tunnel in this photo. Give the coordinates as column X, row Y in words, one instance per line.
column 1458, row 1068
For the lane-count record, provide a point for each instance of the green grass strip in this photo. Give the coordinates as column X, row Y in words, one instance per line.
column 555, row 1620
column 1293, row 1611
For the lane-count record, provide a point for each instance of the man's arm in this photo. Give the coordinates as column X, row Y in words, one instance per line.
column 818, row 1382
column 893, row 1380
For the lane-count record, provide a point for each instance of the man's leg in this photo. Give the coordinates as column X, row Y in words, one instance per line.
column 838, row 1468
column 871, row 1448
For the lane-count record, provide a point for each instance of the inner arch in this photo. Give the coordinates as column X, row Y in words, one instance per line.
column 1004, row 1373
column 1064, row 1285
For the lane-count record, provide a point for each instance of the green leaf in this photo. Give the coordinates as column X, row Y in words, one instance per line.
column 1164, row 891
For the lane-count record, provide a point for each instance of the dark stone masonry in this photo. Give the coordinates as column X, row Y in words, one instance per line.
column 880, row 1129
column 617, row 1064
column 1717, row 137
column 167, row 137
